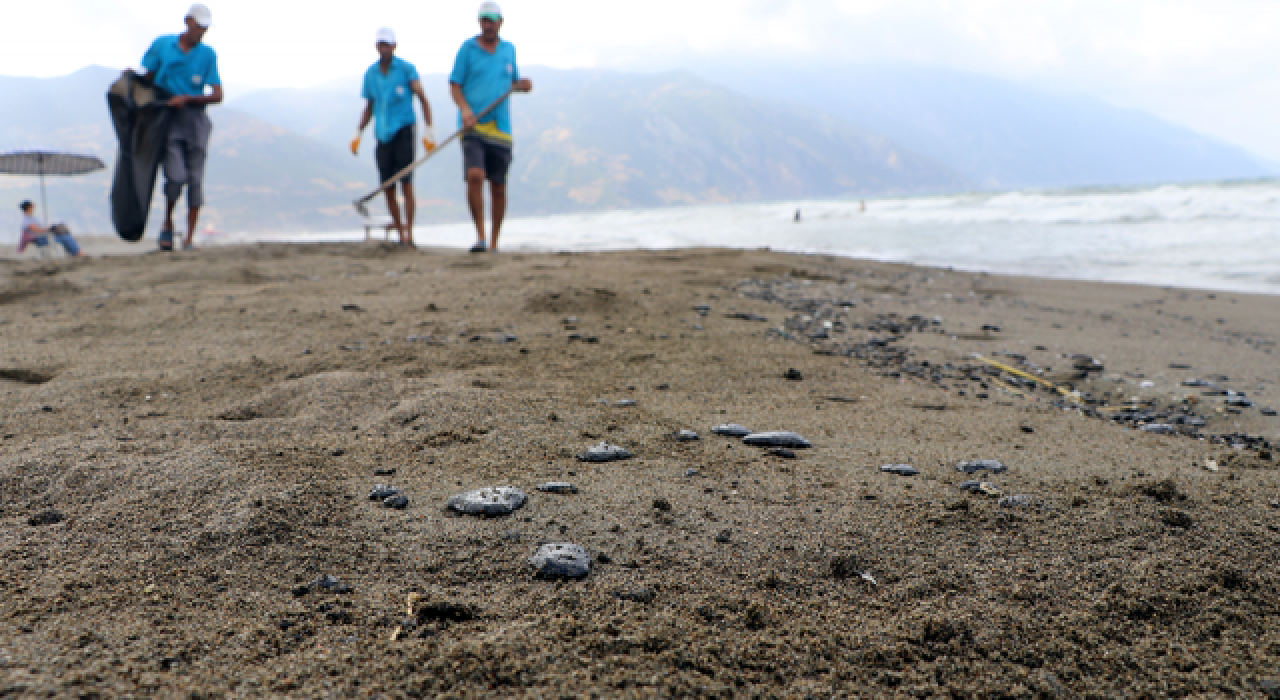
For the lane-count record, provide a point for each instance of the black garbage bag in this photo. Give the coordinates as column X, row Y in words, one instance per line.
column 141, row 121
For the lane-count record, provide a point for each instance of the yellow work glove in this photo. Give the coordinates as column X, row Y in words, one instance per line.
column 355, row 144
column 429, row 139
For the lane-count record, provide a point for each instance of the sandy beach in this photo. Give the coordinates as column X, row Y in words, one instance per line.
column 190, row 441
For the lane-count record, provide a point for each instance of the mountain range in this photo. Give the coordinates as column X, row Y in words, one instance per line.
column 1002, row 134
column 594, row 139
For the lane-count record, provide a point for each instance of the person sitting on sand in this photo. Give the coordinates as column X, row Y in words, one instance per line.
column 388, row 90
column 33, row 232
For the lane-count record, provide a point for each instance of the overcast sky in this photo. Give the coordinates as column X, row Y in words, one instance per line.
column 1213, row 66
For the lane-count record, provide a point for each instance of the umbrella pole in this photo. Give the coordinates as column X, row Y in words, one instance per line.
column 44, row 201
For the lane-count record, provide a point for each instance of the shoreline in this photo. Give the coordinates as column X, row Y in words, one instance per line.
column 208, row 428
column 111, row 246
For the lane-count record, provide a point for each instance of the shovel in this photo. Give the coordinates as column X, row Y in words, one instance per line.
column 360, row 203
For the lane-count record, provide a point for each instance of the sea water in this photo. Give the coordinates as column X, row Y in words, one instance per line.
column 1222, row 236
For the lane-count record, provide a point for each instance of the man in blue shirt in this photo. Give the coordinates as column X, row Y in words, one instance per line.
column 183, row 67
column 483, row 71
column 389, row 86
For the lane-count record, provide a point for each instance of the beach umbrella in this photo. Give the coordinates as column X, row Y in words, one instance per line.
column 47, row 163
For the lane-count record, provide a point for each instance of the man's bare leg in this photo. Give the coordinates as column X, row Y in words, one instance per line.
column 193, row 217
column 168, row 213
column 498, row 193
column 475, row 200
column 410, row 205
column 393, row 206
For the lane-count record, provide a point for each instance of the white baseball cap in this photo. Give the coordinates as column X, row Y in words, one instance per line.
column 201, row 14
column 386, row 36
column 490, row 10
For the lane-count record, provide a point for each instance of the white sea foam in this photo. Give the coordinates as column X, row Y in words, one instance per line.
column 1214, row 236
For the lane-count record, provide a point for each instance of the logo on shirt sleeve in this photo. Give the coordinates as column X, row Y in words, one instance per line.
column 400, row 90
column 195, row 80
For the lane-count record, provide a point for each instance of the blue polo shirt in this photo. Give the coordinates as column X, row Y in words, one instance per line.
column 483, row 77
column 391, row 95
column 181, row 72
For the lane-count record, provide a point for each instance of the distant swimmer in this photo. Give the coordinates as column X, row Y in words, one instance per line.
column 862, row 205
column 797, row 216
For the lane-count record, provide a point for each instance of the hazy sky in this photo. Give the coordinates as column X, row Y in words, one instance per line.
column 1213, row 66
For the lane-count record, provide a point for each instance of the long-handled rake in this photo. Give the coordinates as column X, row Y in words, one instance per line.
column 360, row 203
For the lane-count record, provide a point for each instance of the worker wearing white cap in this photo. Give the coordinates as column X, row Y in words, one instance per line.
column 187, row 69
column 389, row 87
column 484, row 70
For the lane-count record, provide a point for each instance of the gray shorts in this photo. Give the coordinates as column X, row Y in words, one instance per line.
column 186, row 153
column 480, row 154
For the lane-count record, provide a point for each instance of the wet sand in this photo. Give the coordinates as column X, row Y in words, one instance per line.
column 189, row 441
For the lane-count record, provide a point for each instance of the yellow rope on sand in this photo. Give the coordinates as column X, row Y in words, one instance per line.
column 1025, row 375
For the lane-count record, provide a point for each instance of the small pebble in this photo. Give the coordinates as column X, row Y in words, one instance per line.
column 793, row 374
column 1158, row 428
column 1021, row 500
column 381, row 492
column 900, row 469
column 558, row 487
column 724, row 536
column 686, row 436
column 329, row 584
column 731, row 430
column 992, row 465
column 604, row 452
column 691, row 472
column 783, row 453
column 398, row 501
column 638, row 595
column 623, row 403
column 776, row 438
column 384, row 472
column 48, row 517
column 501, row 500
column 562, row 560
column 983, row 487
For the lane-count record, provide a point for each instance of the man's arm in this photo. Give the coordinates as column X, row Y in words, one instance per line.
column 468, row 116
column 213, row 98
column 416, row 86
column 367, row 115
column 519, row 84
column 364, row 121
